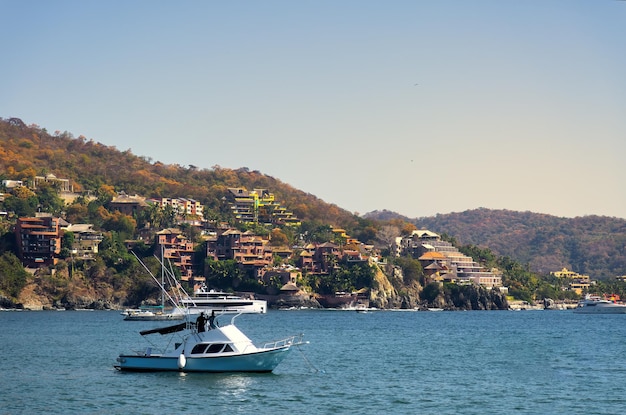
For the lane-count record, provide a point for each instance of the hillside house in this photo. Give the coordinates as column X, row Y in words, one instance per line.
column 38, row 240
column 250, row 251
column 258, row 206
column 12, row 184
column 576, row 282
column 86, row 240
column 176, row 249
column 183, row 206
column 128, row 205
column 63, row 185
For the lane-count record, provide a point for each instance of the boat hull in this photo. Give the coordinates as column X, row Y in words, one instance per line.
column 601, row 310
column 262, row 361
column 207, row 301
column 196, row 306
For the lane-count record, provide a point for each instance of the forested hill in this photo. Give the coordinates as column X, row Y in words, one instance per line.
column 28, row 150
column 592, row 245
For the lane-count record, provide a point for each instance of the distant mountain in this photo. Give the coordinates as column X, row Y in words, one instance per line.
column 592, row 245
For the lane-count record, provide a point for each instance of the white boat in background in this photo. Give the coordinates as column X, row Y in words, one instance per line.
column 220, row 349
column 364, row 309
column 204, row 300
column 594, row 304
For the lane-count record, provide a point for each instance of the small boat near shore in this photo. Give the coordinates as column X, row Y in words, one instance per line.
column 219, row 349
column 594, row 304
column 152, row 313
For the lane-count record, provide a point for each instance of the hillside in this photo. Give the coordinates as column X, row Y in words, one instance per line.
column 593, row 245
column 26, row 151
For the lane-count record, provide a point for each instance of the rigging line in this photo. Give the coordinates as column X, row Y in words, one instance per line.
column 180, row 291
column 306, row 359
column 154, row 278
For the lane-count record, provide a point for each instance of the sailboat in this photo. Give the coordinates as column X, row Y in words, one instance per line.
column 155, row 313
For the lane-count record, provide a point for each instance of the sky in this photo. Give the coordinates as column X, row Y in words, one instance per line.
column 417, row 107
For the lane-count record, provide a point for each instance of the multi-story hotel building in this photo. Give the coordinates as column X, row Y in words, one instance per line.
column 38, row 240
column 177, row 249
column 258, row 206
column 442, row 261
column 182, row 206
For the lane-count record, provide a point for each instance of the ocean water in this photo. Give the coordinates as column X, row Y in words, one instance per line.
column 478, row 362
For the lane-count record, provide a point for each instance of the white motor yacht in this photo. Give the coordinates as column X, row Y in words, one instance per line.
column 204, row 300
column 594, row 304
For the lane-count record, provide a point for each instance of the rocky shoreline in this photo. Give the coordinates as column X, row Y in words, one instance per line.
column 387, row 292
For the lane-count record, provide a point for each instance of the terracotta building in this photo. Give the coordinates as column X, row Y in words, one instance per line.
column 38, row 241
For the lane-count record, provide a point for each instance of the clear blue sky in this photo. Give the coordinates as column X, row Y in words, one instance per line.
column 419, row 107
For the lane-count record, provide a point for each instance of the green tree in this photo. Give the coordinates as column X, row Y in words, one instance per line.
column 77, row 212
column 122, row 224
column 114, row 253
column 430, row 292
column 315, row 231
column 68, row 240
column 222, row 275
column 13, row 277
column 23, row 206
column 278, row 238
column 411, row 269
column 67, row 243
column 49, row 199
column 345, row 278
column 97, row 213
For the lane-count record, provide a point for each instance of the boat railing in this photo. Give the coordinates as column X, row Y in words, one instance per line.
column 296, row 340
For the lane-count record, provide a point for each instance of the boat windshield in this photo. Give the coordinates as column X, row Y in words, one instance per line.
column 211, row 348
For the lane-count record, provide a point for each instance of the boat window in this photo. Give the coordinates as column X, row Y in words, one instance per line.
column 215, row 348
column 198, row 348
column 228, row 348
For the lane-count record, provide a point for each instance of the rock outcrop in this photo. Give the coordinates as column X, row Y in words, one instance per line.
column 473, row 297
column 390, row 291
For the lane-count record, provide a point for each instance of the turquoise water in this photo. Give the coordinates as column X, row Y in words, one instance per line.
column 481, row 362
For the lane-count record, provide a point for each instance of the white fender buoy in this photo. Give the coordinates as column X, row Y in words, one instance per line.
column 182, row 361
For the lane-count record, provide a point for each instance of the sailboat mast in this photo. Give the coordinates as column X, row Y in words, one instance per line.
column 162, row 283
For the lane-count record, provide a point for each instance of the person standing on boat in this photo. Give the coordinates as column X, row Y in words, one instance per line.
column 212, row 324
column 201, row 323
